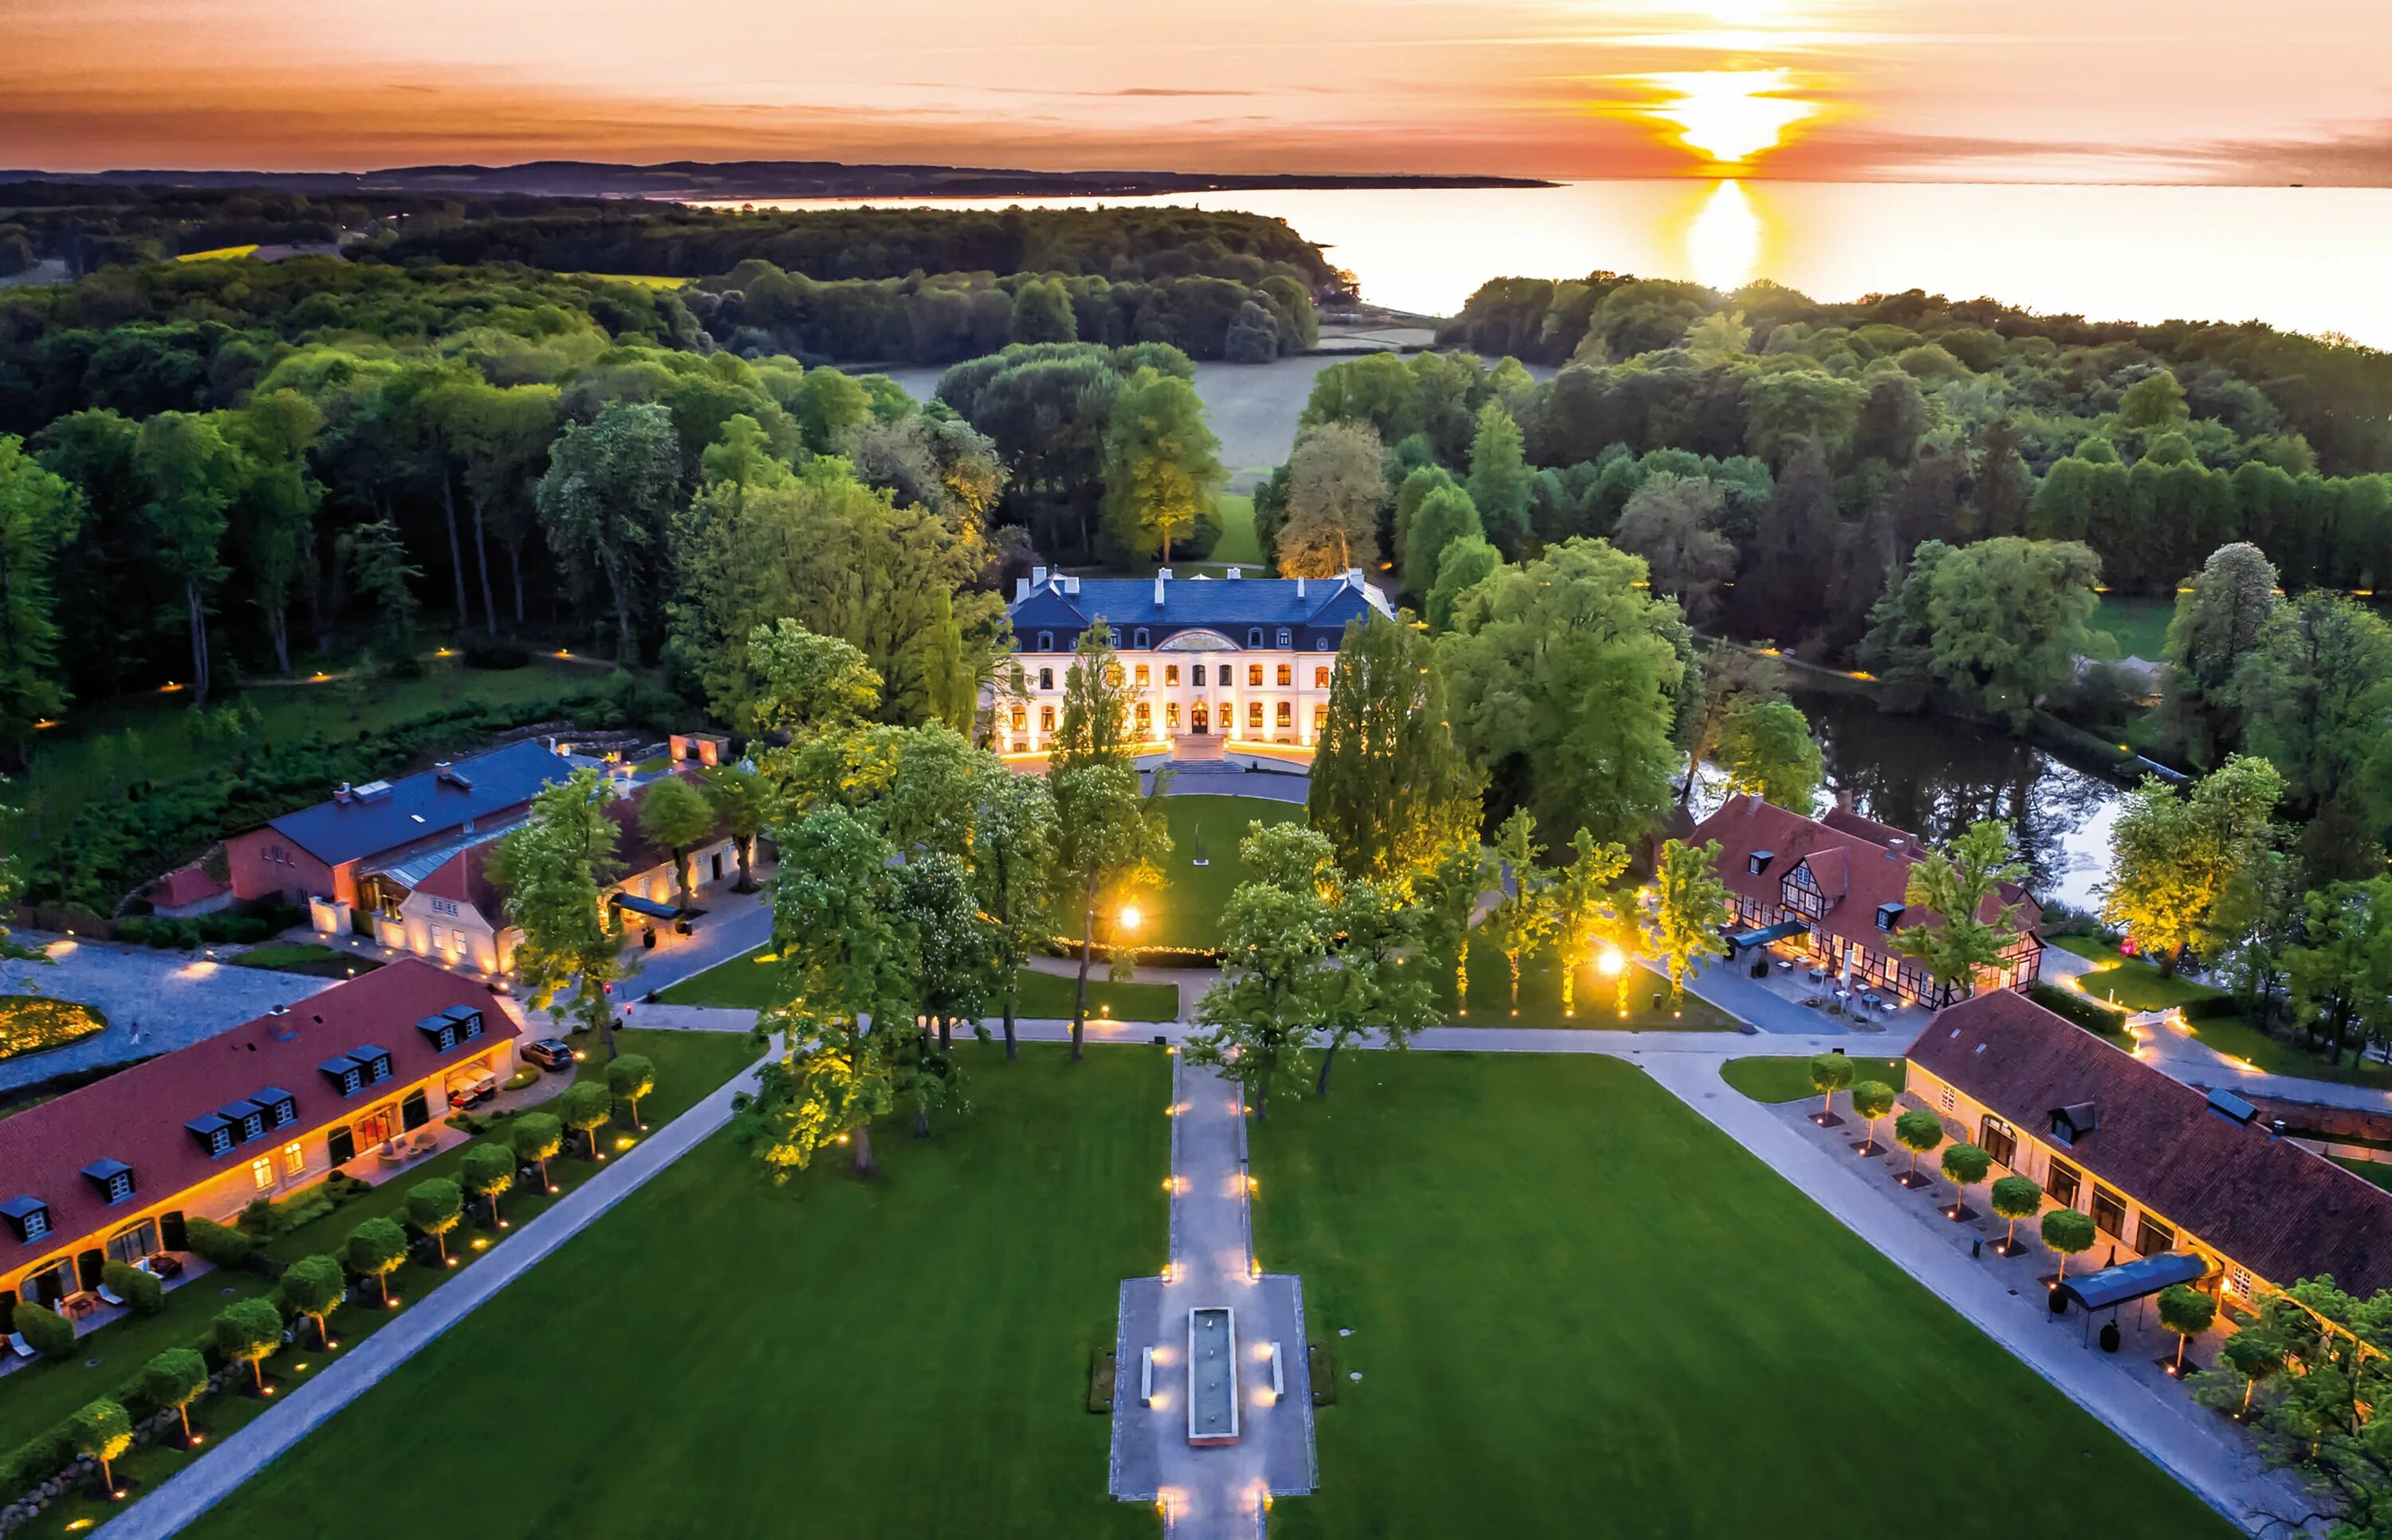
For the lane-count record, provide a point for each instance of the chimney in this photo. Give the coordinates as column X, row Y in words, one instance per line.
column 1070, row 586
column 1037, row 577
column 1354, row 578
column 1299, row 588
column 1161, row 575
column 1235, row 573
column 341, row 792
column 440, row 768
column 1021, row 590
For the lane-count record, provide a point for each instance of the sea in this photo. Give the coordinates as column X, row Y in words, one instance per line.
column 2311, row 260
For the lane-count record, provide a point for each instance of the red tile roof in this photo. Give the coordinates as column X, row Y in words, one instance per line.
column 183, row 884
column 136, row 1115
column 2264, row 1202
column 1855, row 873
column 1845, row 820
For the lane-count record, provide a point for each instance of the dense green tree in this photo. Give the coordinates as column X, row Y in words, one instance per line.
column 2066, row 1231
column 1163, row 465
column 1095, row 726
column 2175, row 857
column 40, row 514
column 2015, row 1197
column 1389, row 786
column 1671, row 522
column 1443, row 515
column 629, row 1077
column 173, row 1380
column 1920, row 1131
column 1521, row 924
column 1466, row 563
column 675, row 815
column 2340, row 972
column 1336, row 484
column 2187, row 1312
column 1830, row 1074
column 384, row 574
column 1766, row 749
column 190, row 475
column 605, row 503
column 102, row 1430
column 1998, row 625
column 314, row 1286
column 741, row 802
column 1871, row 1100
column 1013, row 829
column 1500, row 479
column 798, row 684
column 1965, row 1165
column 1587, row 910
column 1689, row 906
column 2220, row 619
column 553, row 867
column 1108, row 840
column 1565, row 677
column 1375, row 991
column 489, row 1171
column 1259, row 1020
column 436, row 1205
column 1966, row 884
column 1042, row 313
column 375, row 1249
column 2316, row 696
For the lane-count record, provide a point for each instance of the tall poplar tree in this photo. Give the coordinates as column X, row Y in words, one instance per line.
column 1389, row 785
column 1163, row 465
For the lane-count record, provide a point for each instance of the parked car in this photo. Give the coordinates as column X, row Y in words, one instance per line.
column 551, row 1052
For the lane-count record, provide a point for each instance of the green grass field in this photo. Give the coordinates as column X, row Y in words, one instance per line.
column 2140, row 625
column 1776, row 1078
column 689, row 1067
column 1577, row 1308
column 2376, row 1172
column 723, row 1356
column 306, row 957
column 2273, row 1056
column 1595, row 999
column 1185, row 910
column 2133, row 982
column 744, row 983
column 1237, row 542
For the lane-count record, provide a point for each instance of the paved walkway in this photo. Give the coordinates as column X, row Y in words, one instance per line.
column 176, row 999
column 2193, row 1445
column 1213, row 1491
column 206, row 1481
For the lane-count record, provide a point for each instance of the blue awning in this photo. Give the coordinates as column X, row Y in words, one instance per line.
column 1777, row 932
column 2116, row 1286
column 654, row 910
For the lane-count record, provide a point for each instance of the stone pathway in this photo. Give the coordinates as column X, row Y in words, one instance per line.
column 206, row 1481
column 1217, row 1490
column 175, row 998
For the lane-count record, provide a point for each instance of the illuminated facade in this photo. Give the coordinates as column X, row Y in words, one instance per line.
column 1231, row 660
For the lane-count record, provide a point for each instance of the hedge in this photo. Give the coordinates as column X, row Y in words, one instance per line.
column 2077, row 1008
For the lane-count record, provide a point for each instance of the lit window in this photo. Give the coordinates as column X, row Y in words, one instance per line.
column 1255, row 715
column 1114, row 675
column 1170, row 673
column 2239, row 1279
column 1320, row 679
column 294, row 1159
column 1021, row 719
column 1286, row 675
column 1143, row 677
column 1045, row 718
column 1171, row 715
column 261, row 1171
column 1945, row 1099
column 1286, row 713
column 1254, row 676
column 1145, row 717
column 1319, row 720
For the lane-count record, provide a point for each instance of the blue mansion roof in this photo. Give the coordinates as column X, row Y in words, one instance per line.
column 1313, row 610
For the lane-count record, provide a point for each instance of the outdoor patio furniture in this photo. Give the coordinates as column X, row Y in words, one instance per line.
column 17, row 1345
column 109, row 1295
column 162, row 1265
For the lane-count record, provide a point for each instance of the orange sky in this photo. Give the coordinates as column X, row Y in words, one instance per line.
column 2094, row 90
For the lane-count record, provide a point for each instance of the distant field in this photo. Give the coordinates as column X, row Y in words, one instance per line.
column 1238, row 542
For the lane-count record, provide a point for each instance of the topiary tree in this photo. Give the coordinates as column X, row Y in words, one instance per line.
column 536, row 1136
column 2256, row 1354
column 44, row 1330
column 2067, row 1232
column 1966, row 1165
column 375, row 1249
column 103, row 1432
column 312, row 1286
column 1830, row 1074
column 630, row 1077
column 1872, row 1100
column 1918, row 1132
column 141, row 1291
column 247, row 1331
column 488, row 1171
column 435, row 1205
column 584, row 1107
column 176, row 1379
column 2015, row 1197
column 2187, row 1312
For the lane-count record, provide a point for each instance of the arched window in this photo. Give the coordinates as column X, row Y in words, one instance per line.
column 1021, row 719
column 1254, row 637
column 1286, row 675
column 1143, row 677
column 1255, row 715
column 1046, row 641
column 1198, row 672
column 1171, row 715
column 1141, row 635
column 1254, row 676
column 1145, row 717
column 1045, row 679
column 1286, row 714
column 1319, row 721
column 1320, row 679
column 1045, row 718
column 1170, row 674
column 1286, row 637
column 1112, row 676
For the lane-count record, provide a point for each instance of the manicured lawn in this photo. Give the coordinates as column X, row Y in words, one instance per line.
column 2274, row 1056
column 306, row 957
column 1773, row 1077
column 1577, row 1308
column 689, row 1067
column 723, row 1356
column 1048, row 995
column 1596, row 1002
column 1238, row 542
column 2367, row 1171
column 1185, row 910
column 744, row 983
column 2133, row 982
column 2140, row 625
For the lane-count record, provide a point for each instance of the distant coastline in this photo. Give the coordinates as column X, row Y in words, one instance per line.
column 719, row 180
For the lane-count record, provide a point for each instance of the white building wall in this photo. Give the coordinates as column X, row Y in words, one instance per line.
column 1237, row 686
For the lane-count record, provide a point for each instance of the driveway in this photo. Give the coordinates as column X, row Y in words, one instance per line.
column 154, row 1001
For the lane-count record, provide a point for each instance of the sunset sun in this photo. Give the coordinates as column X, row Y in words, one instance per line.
column 1728, row 116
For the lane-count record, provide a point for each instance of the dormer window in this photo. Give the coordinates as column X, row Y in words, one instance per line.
column 1046, row 641
column 1141, row 637
column 439, row 1031
column 1889, row 915
column 376, row 1061
column 348, row 1077
column 468, row 1020
column 214, row 1132
column 113, row 1178
column 1325, row 644
column 1253, row 636
column 1759, row 861
column 1286, row 637
column 281, row 1108
column 29, row 1217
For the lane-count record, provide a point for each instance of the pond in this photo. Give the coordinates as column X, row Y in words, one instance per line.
column 1935, row 776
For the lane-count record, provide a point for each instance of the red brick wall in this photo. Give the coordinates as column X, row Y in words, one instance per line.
column 255, row 876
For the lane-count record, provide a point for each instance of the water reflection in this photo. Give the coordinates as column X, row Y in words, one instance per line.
column 1935, row 777
column 1724, row 243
